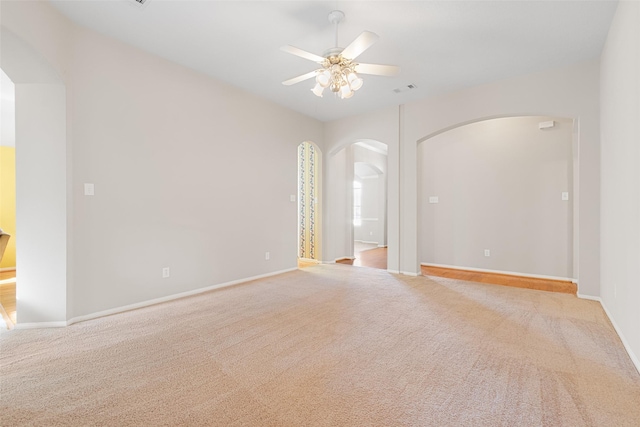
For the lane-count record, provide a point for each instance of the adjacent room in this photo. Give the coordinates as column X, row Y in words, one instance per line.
column 320, row 213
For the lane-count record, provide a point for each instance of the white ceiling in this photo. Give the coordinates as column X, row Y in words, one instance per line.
column 441, row 46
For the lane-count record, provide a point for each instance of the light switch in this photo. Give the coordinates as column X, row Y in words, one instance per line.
column 565, row 195
column 433, row 199
column 88, row 190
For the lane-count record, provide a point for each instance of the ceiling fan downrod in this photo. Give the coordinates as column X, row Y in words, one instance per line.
column 336, row 17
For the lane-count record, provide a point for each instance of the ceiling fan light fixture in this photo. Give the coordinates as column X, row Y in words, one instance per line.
column 354, row 81
column 317, row 90
column 324, row 78
column 338, row 72
column 346, row 92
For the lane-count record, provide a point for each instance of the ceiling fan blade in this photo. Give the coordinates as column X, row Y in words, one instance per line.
column 299, row 78
column 363, row 42
column 377, row 70
column 302, row 53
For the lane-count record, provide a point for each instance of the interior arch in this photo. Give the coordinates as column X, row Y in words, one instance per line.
column 570, row 169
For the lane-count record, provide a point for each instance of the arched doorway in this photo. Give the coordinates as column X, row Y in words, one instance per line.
column 363, row 218
column 496, row 195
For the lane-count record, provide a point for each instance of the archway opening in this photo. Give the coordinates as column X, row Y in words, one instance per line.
column 496, row 195
column 364, row 216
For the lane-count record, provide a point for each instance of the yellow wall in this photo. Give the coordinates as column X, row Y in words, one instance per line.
column 8, row 203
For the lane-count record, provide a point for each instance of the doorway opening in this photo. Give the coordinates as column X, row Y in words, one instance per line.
column 367, row 226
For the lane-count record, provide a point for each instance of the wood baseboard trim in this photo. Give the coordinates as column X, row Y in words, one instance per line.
column 507, row 273
column 3, row 269
column 561, row 285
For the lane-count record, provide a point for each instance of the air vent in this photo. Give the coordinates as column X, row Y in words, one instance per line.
column 405, row 88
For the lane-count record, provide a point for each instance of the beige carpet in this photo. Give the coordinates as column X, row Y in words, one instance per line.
column 329, row 346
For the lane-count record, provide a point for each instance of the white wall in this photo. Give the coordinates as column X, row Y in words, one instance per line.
column 499, row 184
column 175, row 157
column 367, row 231
column 620, row 209
column 190, row 174
column 340, row 200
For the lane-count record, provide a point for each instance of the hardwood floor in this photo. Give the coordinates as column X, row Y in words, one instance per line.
column 372, row 257
column 377, row 258
column 8, row 297
column 304, row 263
column 562, row 286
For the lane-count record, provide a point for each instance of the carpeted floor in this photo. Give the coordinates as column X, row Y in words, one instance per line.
column 330, row 345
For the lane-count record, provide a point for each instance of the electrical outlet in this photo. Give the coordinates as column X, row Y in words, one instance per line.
column 267, row 255
column 165, row 272
column 487, row 252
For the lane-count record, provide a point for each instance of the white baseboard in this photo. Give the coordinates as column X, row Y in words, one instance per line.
column 41, row 325
column 382, row 246
column 393, row 271
column 625, row 343
column 366, row 242
column 146, row 303
column 589, row 297
column 508, row 273
column 409, row 273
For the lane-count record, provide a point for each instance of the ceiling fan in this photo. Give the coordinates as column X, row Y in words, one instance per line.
column 339, row 71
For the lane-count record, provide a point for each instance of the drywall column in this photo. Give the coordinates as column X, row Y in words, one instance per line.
column 408, row 202
column 337, row 209
column 350, row 174
column 381, row 231
column 393, row 198
column 41, row 203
